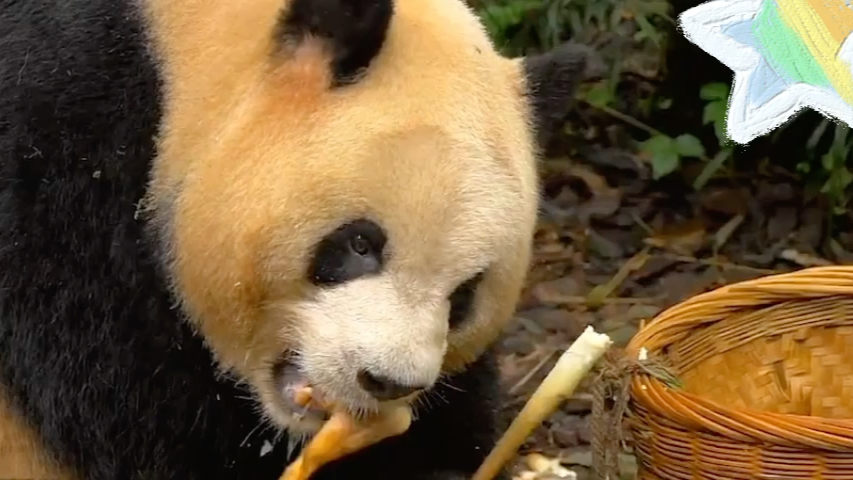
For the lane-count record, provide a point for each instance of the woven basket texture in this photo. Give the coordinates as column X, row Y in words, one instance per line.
column 766, row 368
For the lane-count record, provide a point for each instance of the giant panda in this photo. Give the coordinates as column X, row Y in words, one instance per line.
column 205, row 202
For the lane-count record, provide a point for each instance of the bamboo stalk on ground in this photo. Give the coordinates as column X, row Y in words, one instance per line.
column 341, row 435
column 573, row 365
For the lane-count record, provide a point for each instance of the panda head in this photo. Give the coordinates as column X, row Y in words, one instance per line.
column 345, row 190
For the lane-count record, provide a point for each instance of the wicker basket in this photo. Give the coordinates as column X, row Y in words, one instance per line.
column 766, row 368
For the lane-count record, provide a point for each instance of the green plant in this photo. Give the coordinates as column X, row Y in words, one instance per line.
column 602, row 94
column 505, row 19
column 717, row 96
column 631, row 35
column 666, row 152
column 643, row 12
column 517, row 25
column 834, row 175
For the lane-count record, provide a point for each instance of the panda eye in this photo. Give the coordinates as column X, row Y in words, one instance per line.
column 462, row 299
column 360, row 245
column 352, row 250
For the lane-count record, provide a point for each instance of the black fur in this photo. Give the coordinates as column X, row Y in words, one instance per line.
column 352, row 250
column 448, row 442
column 462, row 299
column 355, row 30
column 552, row 79
column 92, row 350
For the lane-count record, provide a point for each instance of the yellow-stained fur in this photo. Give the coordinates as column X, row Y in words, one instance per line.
column 21, row 454
column 259, row 159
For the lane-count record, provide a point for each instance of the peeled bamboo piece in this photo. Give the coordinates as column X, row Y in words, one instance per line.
column 573, row 365
column 342, row 435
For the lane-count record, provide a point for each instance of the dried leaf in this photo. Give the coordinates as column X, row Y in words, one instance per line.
column 555, row 291
column 685, row 239
column 781, row 223
column 604, row 200
column 727, row 201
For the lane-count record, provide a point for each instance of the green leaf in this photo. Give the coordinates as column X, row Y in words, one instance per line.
column 658, row 143
column 664, row 163
column 599, row 96
column 844, row 178
column 720, row 130
column 647, row 30
column 838, row 181
column 714, row 91
column 500, row 17
column 832, row 159
column 689, row 146
column 661, row 8
column 714, row 112
column 664, row 153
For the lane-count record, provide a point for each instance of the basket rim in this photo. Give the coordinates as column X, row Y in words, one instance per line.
column 741, row 424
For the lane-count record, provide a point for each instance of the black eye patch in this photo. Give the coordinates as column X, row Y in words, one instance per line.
column 462, row 299
column 351, row 251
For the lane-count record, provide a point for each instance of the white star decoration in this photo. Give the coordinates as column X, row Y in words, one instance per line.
column 762, row 98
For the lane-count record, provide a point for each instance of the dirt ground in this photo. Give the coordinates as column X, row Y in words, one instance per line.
column 613, row 249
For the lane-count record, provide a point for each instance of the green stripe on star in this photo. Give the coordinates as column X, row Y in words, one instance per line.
column 784, row 49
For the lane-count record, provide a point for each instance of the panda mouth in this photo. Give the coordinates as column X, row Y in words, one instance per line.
column 289, row 381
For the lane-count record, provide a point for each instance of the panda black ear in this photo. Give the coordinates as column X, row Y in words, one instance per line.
column 552, row 78
column 354, row 29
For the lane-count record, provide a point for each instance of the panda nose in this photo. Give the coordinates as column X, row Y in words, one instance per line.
column 383, row 388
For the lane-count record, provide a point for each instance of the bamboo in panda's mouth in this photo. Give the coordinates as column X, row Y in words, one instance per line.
column 343, row 435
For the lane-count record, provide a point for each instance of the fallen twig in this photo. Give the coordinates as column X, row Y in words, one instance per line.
column 578, row 300
column 597, row 295
column 726, row 231
column 719, row 264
